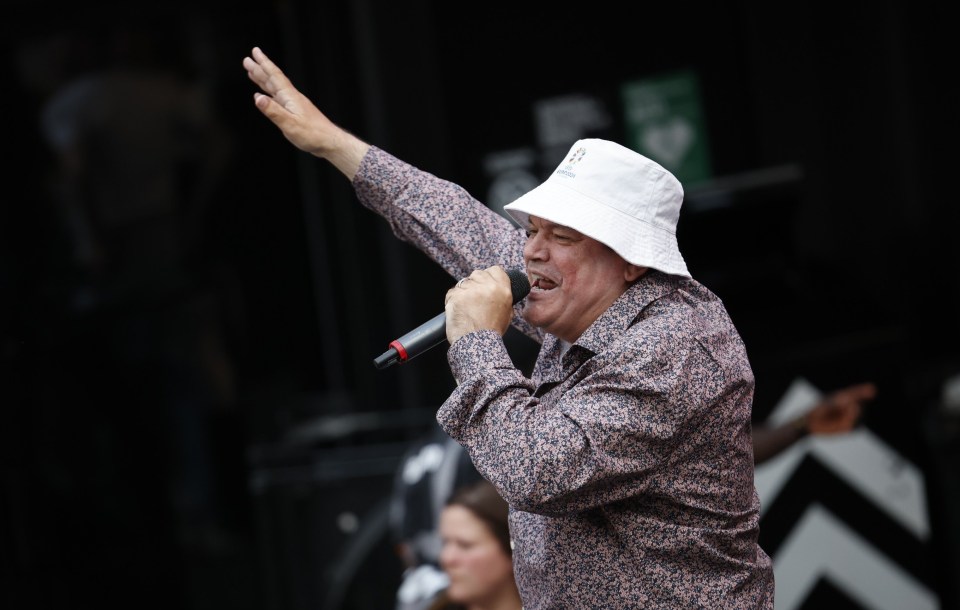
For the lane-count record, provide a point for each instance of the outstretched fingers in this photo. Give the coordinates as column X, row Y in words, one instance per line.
column 265, row 74
column 278, row 92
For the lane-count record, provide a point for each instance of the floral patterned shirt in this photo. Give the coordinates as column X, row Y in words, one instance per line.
column 626, row 458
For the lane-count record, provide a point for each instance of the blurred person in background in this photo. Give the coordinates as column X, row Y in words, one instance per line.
column 140, row 156
column 432, row 469
column 477, row 554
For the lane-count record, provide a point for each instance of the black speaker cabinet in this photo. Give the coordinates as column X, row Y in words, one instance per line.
column 321, row 520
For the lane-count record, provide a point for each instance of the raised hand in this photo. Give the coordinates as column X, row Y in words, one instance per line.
column 300, row 121
column 840, row 410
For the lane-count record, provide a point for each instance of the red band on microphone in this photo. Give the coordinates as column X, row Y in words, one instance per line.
column 402, row 352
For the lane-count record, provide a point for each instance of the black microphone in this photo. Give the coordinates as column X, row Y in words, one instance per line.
column 434, row 330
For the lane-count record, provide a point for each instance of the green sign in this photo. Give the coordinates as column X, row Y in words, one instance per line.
column 664, row 121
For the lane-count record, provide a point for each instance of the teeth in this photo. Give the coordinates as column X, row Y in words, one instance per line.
column 537, row 282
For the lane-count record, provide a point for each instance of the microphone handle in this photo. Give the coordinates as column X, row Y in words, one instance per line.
column 415, row 342
column 434, row 331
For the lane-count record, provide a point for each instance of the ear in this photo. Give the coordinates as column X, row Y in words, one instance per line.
column 632, row 273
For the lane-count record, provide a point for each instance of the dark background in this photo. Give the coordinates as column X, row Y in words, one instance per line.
column 206, row 429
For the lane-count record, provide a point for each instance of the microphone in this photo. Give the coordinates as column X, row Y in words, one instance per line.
column 434, row 330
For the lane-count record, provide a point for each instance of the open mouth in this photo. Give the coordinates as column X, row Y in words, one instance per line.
column 542, row 283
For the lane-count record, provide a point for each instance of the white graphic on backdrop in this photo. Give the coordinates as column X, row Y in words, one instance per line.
column 822, row 546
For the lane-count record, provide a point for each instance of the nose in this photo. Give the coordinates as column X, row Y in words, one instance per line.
column 447, row 556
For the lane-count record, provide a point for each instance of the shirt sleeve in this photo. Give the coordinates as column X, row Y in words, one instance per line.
column 439, row 218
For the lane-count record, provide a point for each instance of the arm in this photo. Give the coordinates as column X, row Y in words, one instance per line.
column 438, row 217
column 837, row 413
column 616, row 428
column 300, row 121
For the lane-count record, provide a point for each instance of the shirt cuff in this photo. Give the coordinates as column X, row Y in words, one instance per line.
column 475, row 353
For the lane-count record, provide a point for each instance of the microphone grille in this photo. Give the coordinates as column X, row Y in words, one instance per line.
column 519, row 284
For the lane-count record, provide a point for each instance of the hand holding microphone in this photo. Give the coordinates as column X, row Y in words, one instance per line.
column 481, row 301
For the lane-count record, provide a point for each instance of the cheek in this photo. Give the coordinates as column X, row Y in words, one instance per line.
column 596, row 276
column 491, row 569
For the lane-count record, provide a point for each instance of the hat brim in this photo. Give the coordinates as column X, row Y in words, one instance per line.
column 638, row 242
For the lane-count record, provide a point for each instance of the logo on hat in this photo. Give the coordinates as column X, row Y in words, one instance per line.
column 575, row 158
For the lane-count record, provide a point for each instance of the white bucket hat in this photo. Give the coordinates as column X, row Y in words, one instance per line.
column 616, row 196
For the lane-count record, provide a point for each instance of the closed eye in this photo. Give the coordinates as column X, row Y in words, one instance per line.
column 559, row 235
